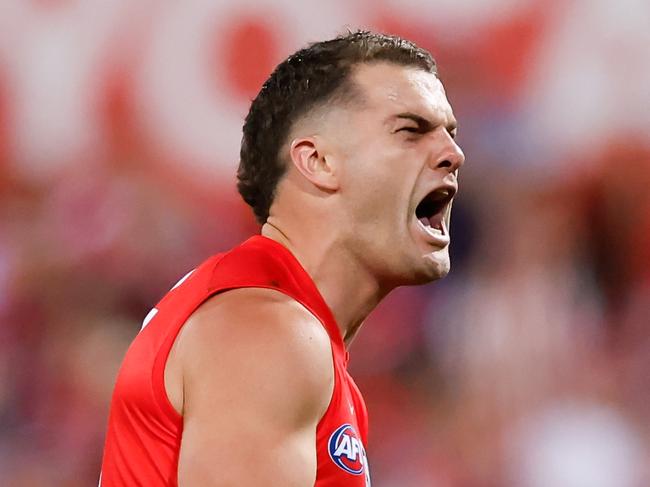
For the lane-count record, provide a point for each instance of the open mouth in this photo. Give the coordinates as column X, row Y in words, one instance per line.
column 433, row 212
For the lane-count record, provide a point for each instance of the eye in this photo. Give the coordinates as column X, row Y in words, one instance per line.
column 413, row 130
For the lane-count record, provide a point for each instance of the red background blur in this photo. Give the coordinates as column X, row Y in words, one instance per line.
column 528, row 366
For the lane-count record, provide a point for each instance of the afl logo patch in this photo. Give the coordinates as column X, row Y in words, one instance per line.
column 346, row 450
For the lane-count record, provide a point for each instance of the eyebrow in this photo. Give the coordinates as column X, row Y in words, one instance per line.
column 426, row 124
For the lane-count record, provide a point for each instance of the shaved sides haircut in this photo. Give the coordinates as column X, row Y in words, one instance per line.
column 309, row 79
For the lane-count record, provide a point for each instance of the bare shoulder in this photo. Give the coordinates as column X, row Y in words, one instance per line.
column 257, row 377
column 260, row 335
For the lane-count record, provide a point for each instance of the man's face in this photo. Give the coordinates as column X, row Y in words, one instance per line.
column 399, row 165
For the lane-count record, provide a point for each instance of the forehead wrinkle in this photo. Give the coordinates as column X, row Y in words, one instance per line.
column 434, row 115
column 420, row 95
column 391, row 89
column 434, row 103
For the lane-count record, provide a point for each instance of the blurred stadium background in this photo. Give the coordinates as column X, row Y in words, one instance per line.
column 529, row 366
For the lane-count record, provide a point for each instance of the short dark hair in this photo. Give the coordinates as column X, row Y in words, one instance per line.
column 305, row 80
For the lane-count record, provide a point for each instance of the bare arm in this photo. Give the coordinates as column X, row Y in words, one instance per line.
column 257, row 378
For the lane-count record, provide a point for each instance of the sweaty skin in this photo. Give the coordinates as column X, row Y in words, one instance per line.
column 346, row 210
column 270, row 384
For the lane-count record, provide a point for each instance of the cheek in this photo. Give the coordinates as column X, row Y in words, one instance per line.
column 378, row 183
column 378, row 208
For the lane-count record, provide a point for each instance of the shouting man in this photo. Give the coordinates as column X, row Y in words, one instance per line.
column 239, row 375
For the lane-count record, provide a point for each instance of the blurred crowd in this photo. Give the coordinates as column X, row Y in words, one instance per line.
column 527, row 367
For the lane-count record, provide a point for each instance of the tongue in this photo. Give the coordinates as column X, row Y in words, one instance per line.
column 435, row 221
column 425, row 221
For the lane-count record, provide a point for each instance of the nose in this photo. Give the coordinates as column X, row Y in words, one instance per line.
column 451, row 156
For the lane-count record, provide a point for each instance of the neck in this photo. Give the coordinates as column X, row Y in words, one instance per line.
column 350, row 291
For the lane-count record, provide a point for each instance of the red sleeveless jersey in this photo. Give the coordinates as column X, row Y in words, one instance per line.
column 144, row 430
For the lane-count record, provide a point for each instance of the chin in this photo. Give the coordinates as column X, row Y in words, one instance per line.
column 435, row 265
column 420, row 265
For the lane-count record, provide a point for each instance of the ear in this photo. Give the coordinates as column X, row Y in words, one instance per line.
column 308, row 157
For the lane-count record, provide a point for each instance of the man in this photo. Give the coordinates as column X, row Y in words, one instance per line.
column 239, row 377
